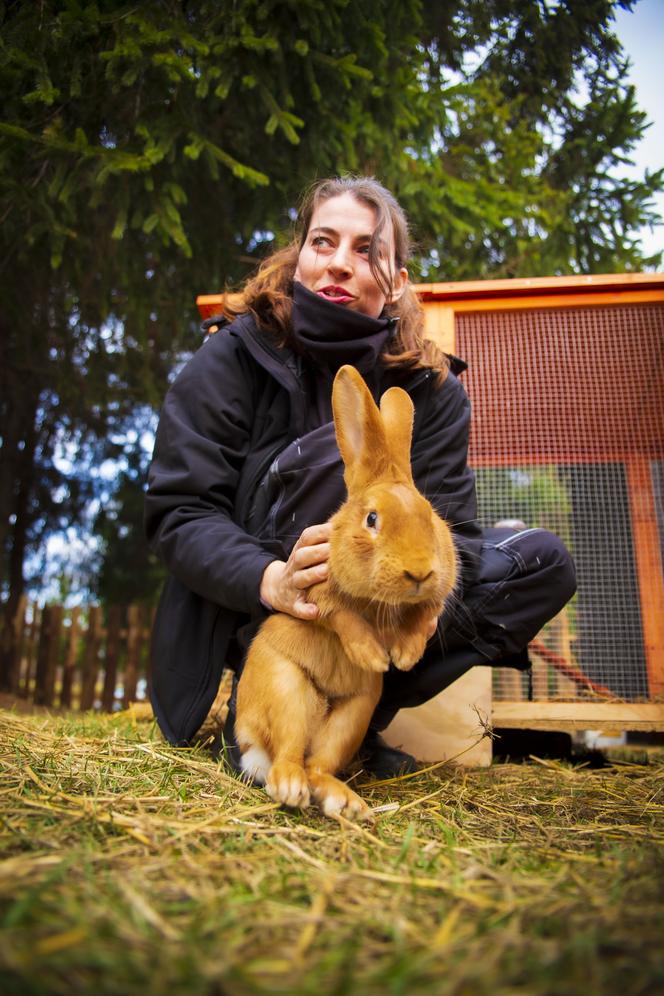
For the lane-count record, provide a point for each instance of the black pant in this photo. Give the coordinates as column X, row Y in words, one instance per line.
column 524, row 579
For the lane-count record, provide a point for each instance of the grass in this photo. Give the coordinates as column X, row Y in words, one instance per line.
column 129, row 866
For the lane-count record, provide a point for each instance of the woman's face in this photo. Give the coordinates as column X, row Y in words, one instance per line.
column 334, row 260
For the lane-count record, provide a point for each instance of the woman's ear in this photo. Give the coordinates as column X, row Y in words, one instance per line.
column 400, row 284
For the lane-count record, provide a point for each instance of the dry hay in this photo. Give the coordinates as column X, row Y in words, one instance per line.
column 129, row 866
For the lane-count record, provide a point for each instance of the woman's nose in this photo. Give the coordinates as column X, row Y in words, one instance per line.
column 341, row 260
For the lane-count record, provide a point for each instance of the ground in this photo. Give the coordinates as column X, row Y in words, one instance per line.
column 129, row 866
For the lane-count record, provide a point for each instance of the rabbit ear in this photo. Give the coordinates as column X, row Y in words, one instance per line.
column 397, row 411
column 359, row 428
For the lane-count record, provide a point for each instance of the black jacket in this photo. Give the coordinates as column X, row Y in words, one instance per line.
column 237, row 404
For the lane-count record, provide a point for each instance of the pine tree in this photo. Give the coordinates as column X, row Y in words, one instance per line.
column 152, row 151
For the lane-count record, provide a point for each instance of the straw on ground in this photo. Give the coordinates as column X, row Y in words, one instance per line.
column 129, row 866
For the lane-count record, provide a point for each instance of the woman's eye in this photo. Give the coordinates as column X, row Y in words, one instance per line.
column 364, row 250
column 372, row 520
column 319, row 240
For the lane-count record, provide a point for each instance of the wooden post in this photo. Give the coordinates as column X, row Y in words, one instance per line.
column 134, row 633
column 47, row 657
column 540, row 680
column 562, row 645
column 112, row 654
column 70, row 659
column 439, row 325
column 150, row 616
column 16, row 645
column 38, row 696
column 31, row 649
column 648, row 567
column 510, row 686
column 91, row 658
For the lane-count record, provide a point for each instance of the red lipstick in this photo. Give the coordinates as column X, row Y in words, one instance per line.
column 338, row 295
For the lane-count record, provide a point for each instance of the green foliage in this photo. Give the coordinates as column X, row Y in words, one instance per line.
column 128, row 572
column 525, row 178
column 148, row 152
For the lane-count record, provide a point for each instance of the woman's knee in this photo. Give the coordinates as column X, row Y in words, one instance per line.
column 557, row 563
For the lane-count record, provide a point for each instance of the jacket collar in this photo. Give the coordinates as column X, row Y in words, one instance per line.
column 330, row 335
column 286, row 366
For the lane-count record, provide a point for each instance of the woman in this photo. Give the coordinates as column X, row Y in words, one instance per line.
column 240, row 517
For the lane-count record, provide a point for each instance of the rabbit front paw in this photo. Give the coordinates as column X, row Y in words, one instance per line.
column 287, row 783
column 367, row 653
column 407, row 649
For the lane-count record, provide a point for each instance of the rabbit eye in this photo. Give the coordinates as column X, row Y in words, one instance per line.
column 372, row 520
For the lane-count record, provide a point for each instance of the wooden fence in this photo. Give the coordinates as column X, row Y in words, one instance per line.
column 80, row 658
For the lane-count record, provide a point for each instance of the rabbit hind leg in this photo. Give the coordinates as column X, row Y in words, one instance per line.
column 335, row 743
column 278, row 709
column 292, row 726
column 255, row 762
column 251, row 733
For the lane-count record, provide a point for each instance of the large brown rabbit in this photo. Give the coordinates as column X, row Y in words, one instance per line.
column 308, row 689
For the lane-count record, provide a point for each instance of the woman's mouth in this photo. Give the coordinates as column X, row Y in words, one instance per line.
column 337, row 295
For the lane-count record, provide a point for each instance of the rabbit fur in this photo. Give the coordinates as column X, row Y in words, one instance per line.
column 309, row 688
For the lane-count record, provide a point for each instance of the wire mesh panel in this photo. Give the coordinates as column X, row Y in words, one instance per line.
column 568, row 434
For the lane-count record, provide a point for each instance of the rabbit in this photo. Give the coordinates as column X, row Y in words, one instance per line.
column 309, row 688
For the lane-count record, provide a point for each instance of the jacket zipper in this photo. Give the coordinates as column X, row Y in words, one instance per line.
column 262, row 470
column 276, row 504
column 265, row 465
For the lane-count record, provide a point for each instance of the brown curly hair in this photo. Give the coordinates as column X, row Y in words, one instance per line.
column 268, row 295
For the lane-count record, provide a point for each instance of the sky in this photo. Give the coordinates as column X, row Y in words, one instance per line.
column 641, row 32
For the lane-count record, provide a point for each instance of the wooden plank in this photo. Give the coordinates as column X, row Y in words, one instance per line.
column 56, row 651
column 39, row 694
column 579, row 715
column 112, row 656
column 151, row 615
column 48, row 653
column 134, row 634
column 71, row 656
column 600, row 299
column 17, row 637
column 532, row 287
column 91, row 658
column 643, row 514
column 213, row 304
column 31, row 652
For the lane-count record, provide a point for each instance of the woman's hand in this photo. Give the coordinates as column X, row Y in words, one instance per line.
column 284, row 585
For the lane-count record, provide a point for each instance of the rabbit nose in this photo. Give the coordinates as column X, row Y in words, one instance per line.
column 418, row 578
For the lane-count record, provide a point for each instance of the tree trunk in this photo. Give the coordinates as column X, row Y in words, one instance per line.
column 10, row 435
column 23, row 476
